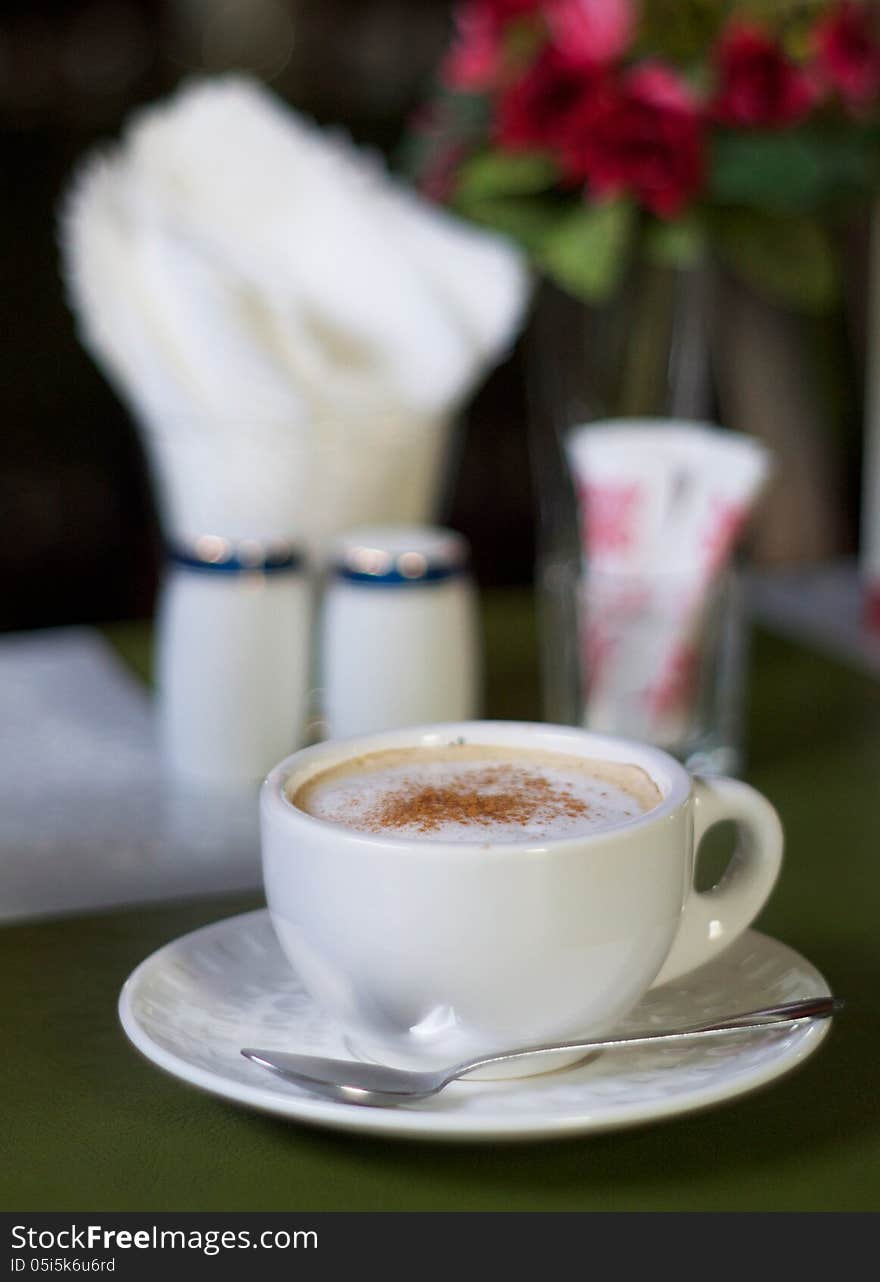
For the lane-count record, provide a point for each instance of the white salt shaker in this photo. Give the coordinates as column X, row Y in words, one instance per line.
column 234, row 630
column 399, row 641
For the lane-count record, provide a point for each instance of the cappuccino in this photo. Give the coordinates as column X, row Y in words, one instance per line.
column 476, row 793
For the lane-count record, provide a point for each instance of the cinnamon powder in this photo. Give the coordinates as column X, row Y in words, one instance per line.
column 498, row 795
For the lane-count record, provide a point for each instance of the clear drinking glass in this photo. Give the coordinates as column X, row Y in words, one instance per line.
column 643, row 353
column 662, row 660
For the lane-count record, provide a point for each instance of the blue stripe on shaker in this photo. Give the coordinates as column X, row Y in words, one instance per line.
column 269, row 562
column 393, row 578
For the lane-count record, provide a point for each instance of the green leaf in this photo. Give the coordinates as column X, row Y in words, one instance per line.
column 679, row 243
column 502, row 173
column 586, row 250
column 523, row 39
column 790, row 260
column 528, row 220
column 464, row 113
column 798, row 171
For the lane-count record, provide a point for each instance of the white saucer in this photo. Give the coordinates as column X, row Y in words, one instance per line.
column 192, row 1005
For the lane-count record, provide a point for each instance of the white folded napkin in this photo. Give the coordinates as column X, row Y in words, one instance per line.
column 292, row 328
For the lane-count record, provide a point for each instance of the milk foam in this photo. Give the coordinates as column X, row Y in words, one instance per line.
column 477, row 793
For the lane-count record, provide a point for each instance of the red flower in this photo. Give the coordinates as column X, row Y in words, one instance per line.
column 849, row 53
column 592, row 32
column 537, row 109
column 474, row 61
column 642, row 135
column 758, row 85
column 505, row 11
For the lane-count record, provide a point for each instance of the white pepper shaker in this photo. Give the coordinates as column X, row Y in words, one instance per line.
column 234, row 632
column 399, row 640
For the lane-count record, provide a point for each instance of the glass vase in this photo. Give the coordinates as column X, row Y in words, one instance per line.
column 644, row 353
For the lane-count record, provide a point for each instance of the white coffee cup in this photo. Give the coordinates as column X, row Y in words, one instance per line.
column 429, row 951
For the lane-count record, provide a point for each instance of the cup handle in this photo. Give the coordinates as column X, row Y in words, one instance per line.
column 711, row 920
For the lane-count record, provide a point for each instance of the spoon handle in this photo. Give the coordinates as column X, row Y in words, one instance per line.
column 748, row 1021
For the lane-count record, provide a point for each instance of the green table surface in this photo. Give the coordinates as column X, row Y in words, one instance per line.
column 87, row 1124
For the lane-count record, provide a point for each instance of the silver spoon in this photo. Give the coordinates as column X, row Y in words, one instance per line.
column 356, row 1082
